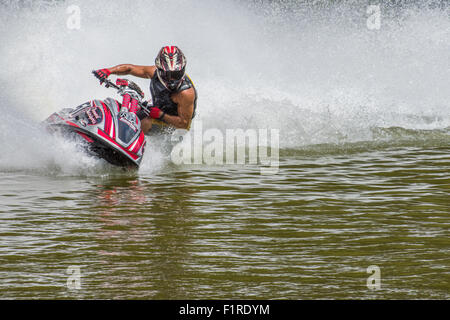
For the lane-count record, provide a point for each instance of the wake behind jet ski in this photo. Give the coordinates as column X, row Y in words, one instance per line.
column 107, row 129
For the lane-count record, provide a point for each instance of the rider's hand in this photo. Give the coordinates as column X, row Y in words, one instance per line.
column 156, row 113
column 102, row 74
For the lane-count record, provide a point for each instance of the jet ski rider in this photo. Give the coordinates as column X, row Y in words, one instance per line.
column 174, row 96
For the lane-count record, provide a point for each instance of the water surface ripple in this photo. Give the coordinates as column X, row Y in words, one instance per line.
column 308, row 232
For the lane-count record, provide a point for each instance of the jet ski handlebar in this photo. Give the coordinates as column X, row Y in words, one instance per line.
column 131, row 93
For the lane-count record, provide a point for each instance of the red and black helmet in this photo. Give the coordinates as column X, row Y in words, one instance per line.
column 170, row 67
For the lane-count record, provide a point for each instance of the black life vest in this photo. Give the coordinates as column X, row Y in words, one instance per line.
column 161, row 95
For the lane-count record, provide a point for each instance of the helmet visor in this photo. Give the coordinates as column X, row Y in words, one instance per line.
column 171, row 75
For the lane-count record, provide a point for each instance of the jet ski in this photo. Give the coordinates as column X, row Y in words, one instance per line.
column 106, row 128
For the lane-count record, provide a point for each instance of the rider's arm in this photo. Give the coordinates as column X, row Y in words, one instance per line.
column 137, row 71
column 185, row 101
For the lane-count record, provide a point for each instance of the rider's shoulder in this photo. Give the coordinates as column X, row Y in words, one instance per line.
column 188, row 94
column 150, row 71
